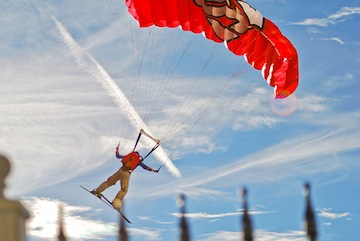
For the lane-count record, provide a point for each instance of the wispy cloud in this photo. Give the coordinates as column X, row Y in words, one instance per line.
column 145, row 233
column 327, row 213
column 335, row 39
column 204, row 215
column 261, row 235
column 288, row 158
column 80, row 222
column 340, row 16
column 44, row 221
column 144, row 218
column 338, row 40
column 338, row 81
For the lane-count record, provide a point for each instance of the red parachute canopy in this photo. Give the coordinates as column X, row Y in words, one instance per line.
column 241, row 27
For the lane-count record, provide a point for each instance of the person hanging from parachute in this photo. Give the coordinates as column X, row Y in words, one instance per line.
column 129, row 163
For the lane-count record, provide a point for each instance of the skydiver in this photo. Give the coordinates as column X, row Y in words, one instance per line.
column 130, row 162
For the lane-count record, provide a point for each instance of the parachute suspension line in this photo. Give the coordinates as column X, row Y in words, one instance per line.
column 139, row 63
column 138, row 85
column 150, row 85
column 150, row 89
column 174, row 127
column 209, row 102
column 245, row 67
column 152, row 79
column 240, row 68
column 181, row 114
column 237, row 71
column 127, row 111
column 203, row 114
column 160, row 97
column 181, row 111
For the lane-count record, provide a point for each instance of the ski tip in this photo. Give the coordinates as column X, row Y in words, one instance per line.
column 127, row 220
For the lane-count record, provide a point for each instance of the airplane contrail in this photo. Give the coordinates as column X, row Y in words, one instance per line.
column 87, row 62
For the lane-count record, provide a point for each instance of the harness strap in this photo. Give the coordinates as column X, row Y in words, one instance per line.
column 153, row 149
column 137, row 140
column 152, row 138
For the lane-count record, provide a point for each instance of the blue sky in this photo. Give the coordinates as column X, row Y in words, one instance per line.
column 66, row 67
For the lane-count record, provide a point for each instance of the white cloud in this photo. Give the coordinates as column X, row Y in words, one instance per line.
column 345, row 80
column 291, row 235
column 221, row 236
column 44, row 221
column 196, row 192
column 313, row 104
column 145, row 233
column 144, row 218
column 338, row 40
column 326, row 213
column 204, row 215
column 340, row 16
column 80, row 222
column 261, row 235
column 304, row 154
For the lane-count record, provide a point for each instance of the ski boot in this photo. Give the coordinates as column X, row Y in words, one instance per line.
column 116, row 203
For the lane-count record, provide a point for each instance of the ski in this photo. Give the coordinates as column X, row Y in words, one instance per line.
column 107, row 202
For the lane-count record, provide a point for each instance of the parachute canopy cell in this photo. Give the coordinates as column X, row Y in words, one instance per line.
column 241, row 27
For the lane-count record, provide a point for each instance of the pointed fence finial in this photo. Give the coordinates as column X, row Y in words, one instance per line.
column 184, row 228
column 246, row 220
column 310, row 224
column 61, row 235
column 123, row 236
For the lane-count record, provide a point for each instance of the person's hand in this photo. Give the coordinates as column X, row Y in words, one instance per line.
column 158, row 169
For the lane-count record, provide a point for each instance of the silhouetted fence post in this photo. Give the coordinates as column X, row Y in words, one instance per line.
column 246, row 220
column 12, row 213
column 123, row 236
column 61, row 233
column 310, row 224
column 184, row 228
